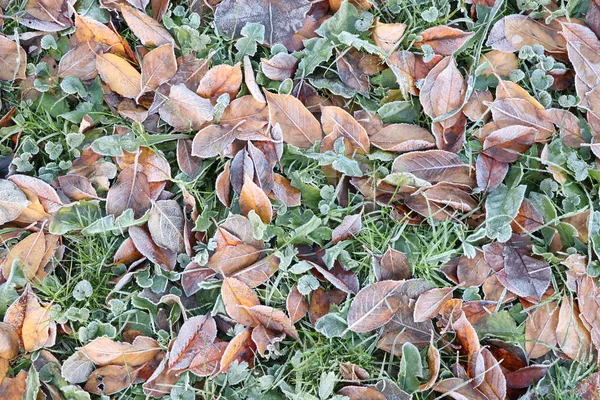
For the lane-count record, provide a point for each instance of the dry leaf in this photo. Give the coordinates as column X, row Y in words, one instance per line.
column 166, row 225
column 32, row 321
column 253, row 198
column 300, row 128
column 444, row 40
column 13, row 60
column 374, row 306
column 237, row 297
column 540, row 330
column 148, row 30
column 119, row 75
column 220, row 80
column 158, row 66
column 279, row 67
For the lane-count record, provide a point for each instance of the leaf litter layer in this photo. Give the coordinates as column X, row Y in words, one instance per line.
column 330, row 200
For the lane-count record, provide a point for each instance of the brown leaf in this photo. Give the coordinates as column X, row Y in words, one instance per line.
column 435, row 166
column 265, row 340
column 232, row 259
column 12, row 201
column 223, row 186
column 494, row 382
column 208, row 359
column 280, row 19
column 476, row 108
column 105, row 351
column 373, row 306
column 429, row 303
column 459, row 389
column 9, row 344
column 337, row 123
column 528, row 219
column 349, row 227
column 540, row 330
column 212, row 141
column 111, row 379
column 144, row 244
column 508, row 144
column 524, row 274
column 279, row 67
column 131, row 191
column 572, row 336
column 184, row 110
column 568, row 126
column 14, row 388
column 300, row 128
column 403, row 138
column 13, row 60
column 32, row 321
column 77, row 187
column 88, row 29
column 273, row 319
column 119, row 75
column 392, row 265
column 259, row 272
column 361, row 393
column 45, row 193
column 409, row 68
column 188, row 163
column 444, row 40
column 490, row 172
column 433, row 362
column 158, row 66
column 354, row 69
column 319, row 305
column 353, row 372
column 237, row 297
column 346, row 281
column 285, row 192
column 247, row 114
column 387, row 36
column 253, row 198
column 515, row 111
column 192, row 276
column 220, row 80
column 148, row 30
column 165, row 225
column 500, row 63
column 513, row 32
column 443, row 92
column 250, row 81
column 296, row 305
column 47, row 15
column 241, row 348
column 28, row 255
column 196, row 333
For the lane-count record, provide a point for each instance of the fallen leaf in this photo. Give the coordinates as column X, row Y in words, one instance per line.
column 148, row 30
column 220, row 80
column 166, row 225
column 300, row 128
column 373, row 306
column 540, row 330
column 403, row 138
column 13, row 60
column 435, row 166
column 184, row 110
column 196, row 333
column 253, row 198
column 280, row 19
column 12, row 201
column 104, row 351
column 279, row 67
column 158, row 66
column 444, row 40
column 237, row 297
column 32, row 321
column 119, row 75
